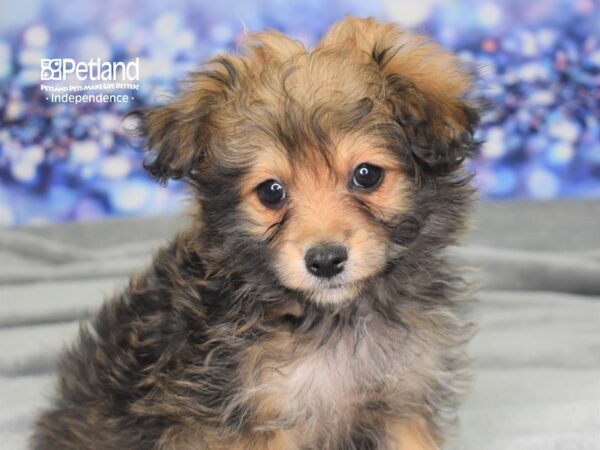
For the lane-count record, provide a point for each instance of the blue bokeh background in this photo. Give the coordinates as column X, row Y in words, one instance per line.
column 539, row 61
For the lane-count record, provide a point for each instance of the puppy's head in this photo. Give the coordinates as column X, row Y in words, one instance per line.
column 318, row 171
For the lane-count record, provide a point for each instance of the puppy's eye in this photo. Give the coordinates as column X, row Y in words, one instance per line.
column 271, row 193
column 367, row 176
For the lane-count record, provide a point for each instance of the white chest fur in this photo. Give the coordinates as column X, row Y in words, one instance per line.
column 329, row 384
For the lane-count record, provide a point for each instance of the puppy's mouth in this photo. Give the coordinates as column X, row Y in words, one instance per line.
column 333, row 291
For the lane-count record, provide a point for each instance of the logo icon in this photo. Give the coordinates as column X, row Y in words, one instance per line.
column 51, row 69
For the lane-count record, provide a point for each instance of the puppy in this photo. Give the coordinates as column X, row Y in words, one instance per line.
column 309, row 304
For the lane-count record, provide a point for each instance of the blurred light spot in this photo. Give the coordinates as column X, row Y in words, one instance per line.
column 494, row 147
column 542, row 184
column 85, row 151
column 546, row 38
column 533, row 71
column 116, row 166
column 595, row 58
column 107, row 141
column 490, row 15
column 167, row 25
column 489, row 45
column 15, row 109
column 222, row 33
column 23, row 170
column 131, row 196
column 408, row 14
column 34, row 154
column 542, row 97
column 585, row 6
column 37, row 36
column 87, row 172
column 528, row 44
column 562, row 128
column 186, row 40
column 161, row 66
column 145, row 69
column 109, row 122
column 561, row 153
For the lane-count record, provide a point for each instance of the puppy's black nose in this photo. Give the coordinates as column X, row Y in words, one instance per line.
column 326, row 261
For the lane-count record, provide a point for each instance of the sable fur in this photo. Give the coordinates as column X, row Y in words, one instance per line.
column 207, row 348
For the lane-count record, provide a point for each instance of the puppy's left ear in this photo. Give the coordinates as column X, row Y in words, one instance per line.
column 426, row 89
column 177, row 134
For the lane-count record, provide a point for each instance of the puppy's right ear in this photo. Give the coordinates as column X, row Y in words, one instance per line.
column 176, row 135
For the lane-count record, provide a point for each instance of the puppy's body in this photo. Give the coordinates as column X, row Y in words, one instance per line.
column 228, row 340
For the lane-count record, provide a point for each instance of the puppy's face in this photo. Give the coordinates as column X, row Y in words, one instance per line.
column 324, row 214
column 309, row 165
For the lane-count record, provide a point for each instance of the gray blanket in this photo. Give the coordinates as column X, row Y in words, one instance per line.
column 537, row 354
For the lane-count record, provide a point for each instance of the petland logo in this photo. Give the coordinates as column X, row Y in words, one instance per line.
column 79, row 82
column 93, row 70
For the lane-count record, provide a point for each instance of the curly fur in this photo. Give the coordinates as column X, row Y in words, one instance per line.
column 207, row 349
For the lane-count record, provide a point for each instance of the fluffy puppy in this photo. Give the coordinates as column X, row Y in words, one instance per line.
column 309, row 304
